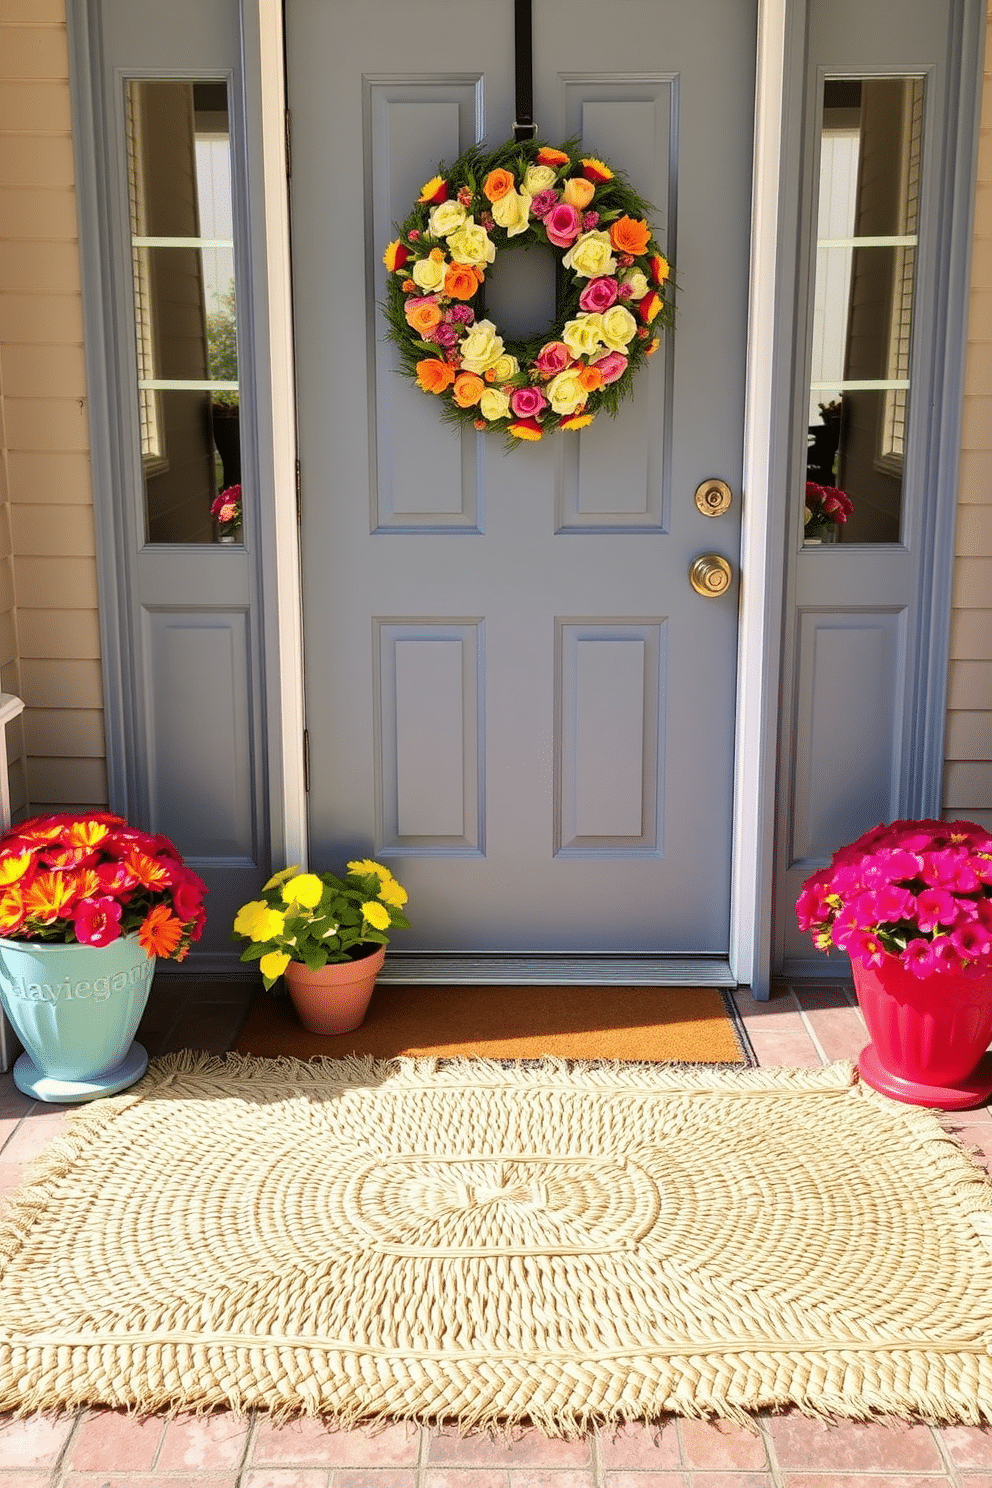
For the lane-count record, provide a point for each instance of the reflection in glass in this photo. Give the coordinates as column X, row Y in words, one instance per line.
column 182, row 236
column 870, row 163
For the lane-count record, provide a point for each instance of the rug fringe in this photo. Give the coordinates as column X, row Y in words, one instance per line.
column 930, row 1388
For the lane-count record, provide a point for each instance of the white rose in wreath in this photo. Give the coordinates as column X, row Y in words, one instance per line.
column 619, row 327
column 591, row 255
column 446, row 218
column 481, row 348
column 471, row 244
column 565, row 392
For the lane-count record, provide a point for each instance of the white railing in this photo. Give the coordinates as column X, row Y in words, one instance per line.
column 10, row 708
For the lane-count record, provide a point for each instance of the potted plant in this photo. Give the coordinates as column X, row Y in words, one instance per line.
column 326, row 936
column 911, row 904
column 227, row 508
column 87, row 904
column 825, row 511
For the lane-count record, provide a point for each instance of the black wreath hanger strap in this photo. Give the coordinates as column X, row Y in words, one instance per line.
column 524, row 127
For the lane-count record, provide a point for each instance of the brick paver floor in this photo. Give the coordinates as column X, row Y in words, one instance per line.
column 804, row 1026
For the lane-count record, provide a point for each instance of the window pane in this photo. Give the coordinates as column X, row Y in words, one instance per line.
column 870, row 156
column 179, row 176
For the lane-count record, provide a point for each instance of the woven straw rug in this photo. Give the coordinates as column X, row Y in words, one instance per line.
column 465, row 1242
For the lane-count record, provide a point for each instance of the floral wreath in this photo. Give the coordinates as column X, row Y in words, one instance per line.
column 613, row 289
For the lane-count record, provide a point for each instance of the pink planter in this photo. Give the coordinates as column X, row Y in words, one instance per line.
column 928, row 1035
column 334, row 999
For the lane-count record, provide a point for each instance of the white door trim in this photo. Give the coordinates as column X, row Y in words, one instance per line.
column 761, row 588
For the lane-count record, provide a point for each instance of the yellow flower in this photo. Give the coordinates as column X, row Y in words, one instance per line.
column 376, row 914
column 390, row 892
column 274, row 963
column 366, row 865
column 281, row 876
column 305, row 889
column 269, row 924
column 247, row 917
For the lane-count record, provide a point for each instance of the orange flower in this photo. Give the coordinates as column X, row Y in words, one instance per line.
column 433, row 376
column 460, row 281
column 497, row 184
column 595, row 170
column 590, row 378
column 434, row 191
column 548, row 156
column 660, row 268
column 14, row 866
column 649, row 307
column 578, row 192
column 650, row 350
column 395, row 255
column 160, row 931
column 630, row 235
column 11, row 911
column 468, row 389
column 48, row 896
column 422, row 314
column 151, row 872
column 88, row 834
column 576, row 421
column 526, row 429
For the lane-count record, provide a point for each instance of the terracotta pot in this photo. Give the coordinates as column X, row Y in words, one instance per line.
column 334, row 999
column 928, row 1035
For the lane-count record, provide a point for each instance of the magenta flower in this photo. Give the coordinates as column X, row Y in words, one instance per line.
column 866, row 948
column 950, row 870
column 552, row 358
column 612, row 366
column 920, row 958
column 544, row 202
column 890, row 867
column 563, row 225
column 527, row 402
column 935, row 907
column 971, row 940
column 598, row 295
column 97, row 921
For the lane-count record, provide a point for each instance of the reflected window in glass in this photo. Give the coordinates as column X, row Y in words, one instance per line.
column 867, row 222
column 185, row 307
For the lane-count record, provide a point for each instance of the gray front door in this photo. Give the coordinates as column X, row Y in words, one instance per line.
column 514, row 696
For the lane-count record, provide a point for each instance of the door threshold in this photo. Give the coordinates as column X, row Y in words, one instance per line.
column 454, row 968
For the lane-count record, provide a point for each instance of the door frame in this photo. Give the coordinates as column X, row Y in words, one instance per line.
column 775, row 190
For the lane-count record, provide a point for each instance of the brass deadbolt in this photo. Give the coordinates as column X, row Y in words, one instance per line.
column 713, row 497
column 710, row 575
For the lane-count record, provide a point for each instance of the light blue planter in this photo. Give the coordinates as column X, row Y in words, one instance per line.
column 76, row 1009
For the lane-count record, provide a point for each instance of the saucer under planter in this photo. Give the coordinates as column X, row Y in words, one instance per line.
column 929, row 1035
column 76, row 1009
column 336, row 998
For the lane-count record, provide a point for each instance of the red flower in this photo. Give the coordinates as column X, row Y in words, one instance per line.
column 98, row 921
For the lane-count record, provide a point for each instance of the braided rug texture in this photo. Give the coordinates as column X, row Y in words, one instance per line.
column 562, row 1245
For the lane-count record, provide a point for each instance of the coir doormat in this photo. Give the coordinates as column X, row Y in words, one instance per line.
column 686, row 1025
column 555, row 1245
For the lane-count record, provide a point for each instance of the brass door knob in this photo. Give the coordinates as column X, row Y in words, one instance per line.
column 709, row 575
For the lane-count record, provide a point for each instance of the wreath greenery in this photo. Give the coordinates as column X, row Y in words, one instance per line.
column 614, row 289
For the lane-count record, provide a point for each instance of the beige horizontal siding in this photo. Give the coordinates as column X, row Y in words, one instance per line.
column 968, row 741
column 49, row 623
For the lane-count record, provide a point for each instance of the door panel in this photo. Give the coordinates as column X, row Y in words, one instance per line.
column 513, row 694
